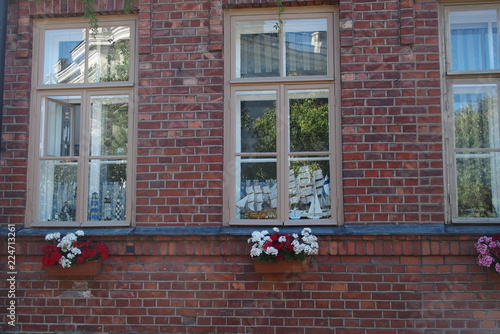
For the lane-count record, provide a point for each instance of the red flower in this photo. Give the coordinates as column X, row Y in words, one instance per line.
column 88, row 251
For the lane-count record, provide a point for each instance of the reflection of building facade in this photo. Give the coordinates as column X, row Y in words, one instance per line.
column 175, row 131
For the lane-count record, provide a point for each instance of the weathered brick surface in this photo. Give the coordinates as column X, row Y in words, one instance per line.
column 207, row 284
column 391, row 121
column 392, row 169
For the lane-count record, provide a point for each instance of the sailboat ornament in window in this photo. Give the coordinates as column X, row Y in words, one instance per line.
column 309, row 196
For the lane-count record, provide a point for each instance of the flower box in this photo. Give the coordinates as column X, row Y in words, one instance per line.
column 90, row 268
column 281, row 267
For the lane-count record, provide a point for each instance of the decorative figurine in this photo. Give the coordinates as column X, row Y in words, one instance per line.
column 107, row 207
column 94, row 207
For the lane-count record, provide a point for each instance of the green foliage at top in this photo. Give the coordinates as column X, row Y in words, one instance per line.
column 90, row 14
column 474, row 127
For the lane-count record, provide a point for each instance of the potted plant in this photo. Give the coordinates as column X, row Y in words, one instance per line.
column 68, row 256
column 488, row 249
column 281, row 253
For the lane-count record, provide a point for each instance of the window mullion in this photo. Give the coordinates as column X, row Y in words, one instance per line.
column 83, row 166
column 282, row 137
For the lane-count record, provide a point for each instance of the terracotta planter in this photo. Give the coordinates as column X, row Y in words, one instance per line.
column 281, row 267
column 91, row 268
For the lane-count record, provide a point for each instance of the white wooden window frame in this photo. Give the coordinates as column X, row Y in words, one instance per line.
column 451, row 78
column 86, row 91
column 235, row 83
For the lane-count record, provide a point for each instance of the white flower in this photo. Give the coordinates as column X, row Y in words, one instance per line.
column 75, row 250
column 53, row 236
column 70, row 256
column 255, row 251
column 295, row 235
column 271, row 251
column 64, row 262
column 257, row 236
column 275, row 229
column 306, row 231
column 282, row 239
column 80, row 233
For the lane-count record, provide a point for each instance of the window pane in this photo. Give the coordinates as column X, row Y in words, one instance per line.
column 64, row 58
column 257, row 49
column 309, row 188
column 478, row 181
column 309, row 123
column 256, row 193
column 109, row 54
column 107, row 195
column 476, row 116
column 306, row 47
column 57, row 199
column 60, row 128
column 109, row 125
column 257, row 121
column 474, row 40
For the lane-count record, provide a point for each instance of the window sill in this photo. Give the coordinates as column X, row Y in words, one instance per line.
column 376, row 229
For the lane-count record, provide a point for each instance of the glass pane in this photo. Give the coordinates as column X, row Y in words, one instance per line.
column 309, row 123
column 478, row 181
column 109, row 125
column 64, row 57
column 476, row 116
column 107, row 190
column 306, row 47
column 109, row 54
column 257, row 49
column 256, row 193
column 474, row 40
column 60, row 128
column 309, row 188
column 57, row 199
column 256, row 112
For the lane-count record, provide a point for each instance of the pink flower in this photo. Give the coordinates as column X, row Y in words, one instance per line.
column 485, row 261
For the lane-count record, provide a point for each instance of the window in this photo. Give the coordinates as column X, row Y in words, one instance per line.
column 81, row 135
column 282, row 140
column 472, row 76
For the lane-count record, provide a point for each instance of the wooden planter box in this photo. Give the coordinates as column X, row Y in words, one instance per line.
column 281, row 267
column 91, row 268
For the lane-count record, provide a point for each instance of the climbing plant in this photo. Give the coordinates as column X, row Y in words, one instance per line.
column 90, row 13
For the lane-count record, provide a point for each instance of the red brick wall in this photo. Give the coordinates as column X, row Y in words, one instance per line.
column 391, row 117
column 207, row 284
column 392, row 174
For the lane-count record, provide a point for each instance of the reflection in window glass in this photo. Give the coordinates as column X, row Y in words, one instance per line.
column 109, row 125
column 306, row 47
column 107, row 190
column 309, row 188
column 476, row 116
column 474, row 40
column 61, row 131
column 57, row 200
column 309, row 123
column 257, row 115
column 257, row 189
column 64, row 58
column 109, row 54
column 257, row 49
column 478, row 184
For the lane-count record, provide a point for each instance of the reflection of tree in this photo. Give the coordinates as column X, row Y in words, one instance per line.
column 473, row 129
column 118, row 60
column 309, row 124
column 309, row 132
column 117, row 128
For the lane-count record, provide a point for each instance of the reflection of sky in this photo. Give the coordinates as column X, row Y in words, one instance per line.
column 58, row 45
column 469, row 94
